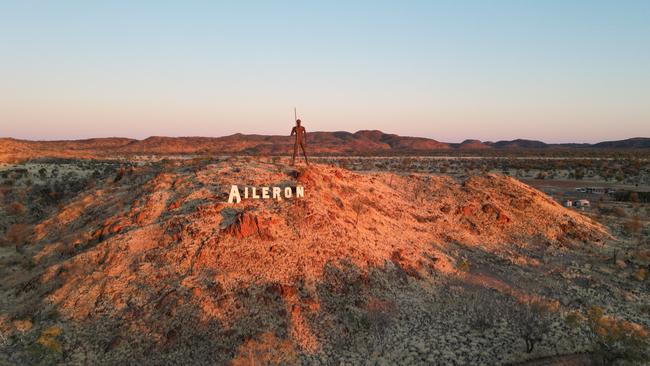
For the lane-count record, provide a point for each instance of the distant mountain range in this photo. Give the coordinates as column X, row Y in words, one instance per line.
column 364, row 142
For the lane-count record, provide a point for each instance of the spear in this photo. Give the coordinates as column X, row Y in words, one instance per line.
column 295, row 115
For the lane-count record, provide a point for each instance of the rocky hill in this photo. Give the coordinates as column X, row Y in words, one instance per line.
column 359, row 143
column 152, row 265
column 633, row 143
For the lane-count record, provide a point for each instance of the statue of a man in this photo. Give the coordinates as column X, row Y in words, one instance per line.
column 301, row 138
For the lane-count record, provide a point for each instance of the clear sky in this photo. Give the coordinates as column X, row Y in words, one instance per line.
column 558, row 71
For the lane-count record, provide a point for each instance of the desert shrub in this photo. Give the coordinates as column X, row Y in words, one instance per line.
column 65, row 249
column 406, row 164
column 17, row 235
column 38, row 348
column 619, row 212
column 640, row 274
column 633, row 227
column 49, row 339
column 16, row 209
column 119, row 175
column 632, row 196
column 50, row 194
column 359, row 207
column 645, row 308
column 578, row 173
column 463, row 265
column 379, row 315
column 574, row 319
column 266, row 350
column 484, row 308
column 420, row 190
column 367, row 164
column 344, row 164
column 23, row 325
column 532, row 320
column 616, row 339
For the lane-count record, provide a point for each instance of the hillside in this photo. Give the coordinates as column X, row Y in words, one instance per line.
column 124, row 265
column 519, row 144
column 633, row 143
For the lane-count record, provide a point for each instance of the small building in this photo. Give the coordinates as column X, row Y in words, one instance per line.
column 581, row 203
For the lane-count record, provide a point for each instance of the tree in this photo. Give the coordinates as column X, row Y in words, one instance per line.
column 633, row 227
column 579, row 173
column 16, row 209
column 532, row 319
column 358, row 207
column 17, row 235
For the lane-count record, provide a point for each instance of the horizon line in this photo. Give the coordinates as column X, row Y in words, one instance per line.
column 277, row 135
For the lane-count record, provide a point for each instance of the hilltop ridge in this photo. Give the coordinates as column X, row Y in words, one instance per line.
column 364, row 142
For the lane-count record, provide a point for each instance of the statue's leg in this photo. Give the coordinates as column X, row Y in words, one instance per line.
column 295, row 150
column 304, row 152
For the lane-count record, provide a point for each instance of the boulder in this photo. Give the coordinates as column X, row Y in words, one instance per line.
column 242, row 224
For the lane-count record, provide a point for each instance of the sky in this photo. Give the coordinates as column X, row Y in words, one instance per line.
column 553, row 70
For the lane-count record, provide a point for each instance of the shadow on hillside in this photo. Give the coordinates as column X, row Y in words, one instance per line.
column 382, row 312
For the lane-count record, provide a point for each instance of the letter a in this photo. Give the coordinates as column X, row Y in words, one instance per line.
column 234, row 194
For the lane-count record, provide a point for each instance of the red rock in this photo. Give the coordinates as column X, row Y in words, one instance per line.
column 246, row 224
column 174, row 205
column 467, row 210
column 140, row 217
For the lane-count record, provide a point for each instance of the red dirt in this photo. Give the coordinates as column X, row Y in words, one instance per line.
column 153, row 242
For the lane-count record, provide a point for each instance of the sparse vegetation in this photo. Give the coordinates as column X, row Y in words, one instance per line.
column 617, row 339
column 463, row 265
column 532, row 319
column 16, row 209
column 485, row 308
column 444, row 289
column 17, row 235
column 358, row 206
column 380, row 314
column 267, row 350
